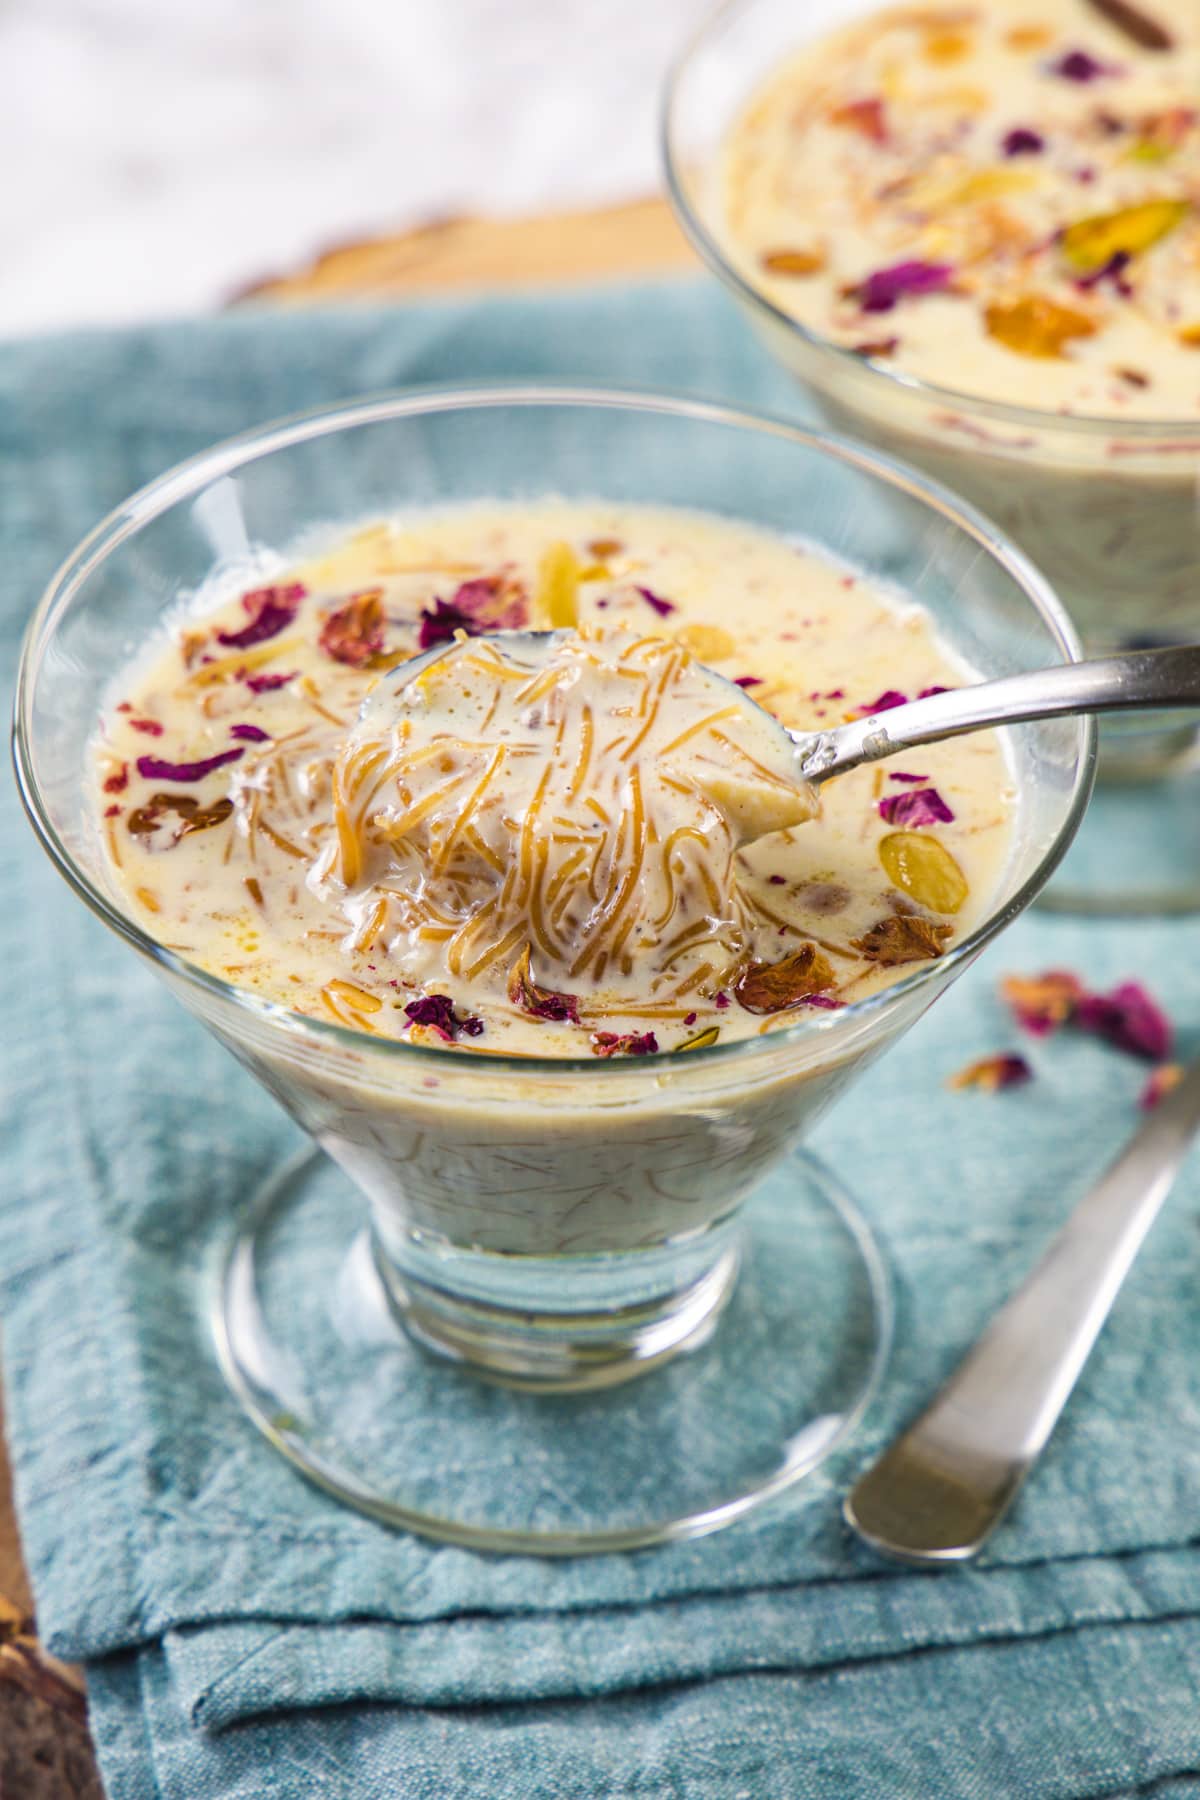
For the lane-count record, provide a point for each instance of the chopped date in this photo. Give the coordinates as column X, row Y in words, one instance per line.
column 902, row 938
column 145, row 820
column 1140, row 27
column 773, row 987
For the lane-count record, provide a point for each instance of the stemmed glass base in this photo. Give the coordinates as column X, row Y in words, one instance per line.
column 747, row 1380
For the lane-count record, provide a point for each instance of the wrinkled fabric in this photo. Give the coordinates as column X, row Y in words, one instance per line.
column 245, row 1635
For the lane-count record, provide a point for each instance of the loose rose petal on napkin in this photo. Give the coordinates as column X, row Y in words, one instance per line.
column 993, row 1073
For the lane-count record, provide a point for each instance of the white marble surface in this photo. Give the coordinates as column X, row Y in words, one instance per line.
column 157, row 154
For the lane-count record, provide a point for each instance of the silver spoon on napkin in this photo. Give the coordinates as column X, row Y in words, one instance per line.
column 1133, row 680
column 940, row 1489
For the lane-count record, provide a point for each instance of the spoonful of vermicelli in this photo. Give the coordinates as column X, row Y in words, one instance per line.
column 585, row 793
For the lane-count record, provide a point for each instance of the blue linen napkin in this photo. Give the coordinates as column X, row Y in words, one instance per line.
column 242, row 1631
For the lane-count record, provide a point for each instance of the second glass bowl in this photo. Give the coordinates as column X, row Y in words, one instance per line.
column 1108, row 508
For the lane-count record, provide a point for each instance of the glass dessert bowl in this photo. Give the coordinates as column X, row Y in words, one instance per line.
column 553, row 1224
column 1101, row 493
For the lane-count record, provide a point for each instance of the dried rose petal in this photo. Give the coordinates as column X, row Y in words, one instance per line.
column 440, row 621
column 148, row 727
column 498, row 602
column 929, row 692
column 889, row 698
column 353, row 633
column 1160, row 1083
column 1128, row 1019
column 902, row 938
column 155, row 769
column 1041, row 1003
column 633, row 1043
column 747, row 681
column 250, row 734
column 882, row 289
column 539, row 1002
column 266, row 684
column 1081, row 66
column 824, row 1002
column 721, row 1001
column 662, row 607
column 437, row 1010
column 271, row 610
column 920, row 806
column 904, row 775
column 118, row 781
column 1021, row 141
column 773, row 987
column 992, row 1073
column 1137, row 25
column 486, row 603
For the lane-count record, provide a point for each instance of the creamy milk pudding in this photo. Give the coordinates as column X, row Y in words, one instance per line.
column 1003, row 200
column 582, row 846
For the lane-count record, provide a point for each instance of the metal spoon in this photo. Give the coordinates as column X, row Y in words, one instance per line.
column 1136, row 679
column 1133, row 680
column 942, row 1487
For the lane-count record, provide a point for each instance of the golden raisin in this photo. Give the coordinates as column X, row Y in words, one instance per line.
column 924, row 869
column 946, row 46
column 1036, row 326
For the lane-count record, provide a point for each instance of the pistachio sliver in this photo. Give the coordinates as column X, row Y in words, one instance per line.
column 1091, row 243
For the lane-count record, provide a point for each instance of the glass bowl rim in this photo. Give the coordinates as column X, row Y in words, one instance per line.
column 185, row 479
column 1003, row 412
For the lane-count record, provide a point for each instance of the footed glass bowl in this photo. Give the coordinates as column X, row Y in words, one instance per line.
column 1107, row 508
column 440, row 1338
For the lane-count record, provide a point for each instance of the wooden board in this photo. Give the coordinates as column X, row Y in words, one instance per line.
column 639, row 239
column 44, row 1749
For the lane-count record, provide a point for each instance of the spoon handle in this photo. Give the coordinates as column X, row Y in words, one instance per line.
column 937, row 1492
column 1137, row 678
